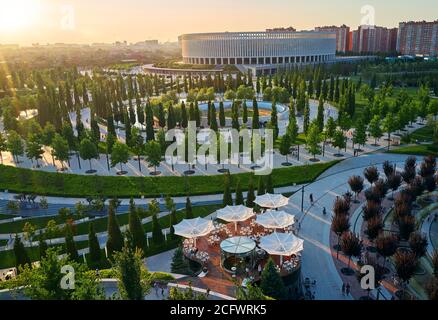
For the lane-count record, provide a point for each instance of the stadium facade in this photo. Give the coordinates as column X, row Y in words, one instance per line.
column 263, row 52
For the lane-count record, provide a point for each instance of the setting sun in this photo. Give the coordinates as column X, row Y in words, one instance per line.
column 16, row 14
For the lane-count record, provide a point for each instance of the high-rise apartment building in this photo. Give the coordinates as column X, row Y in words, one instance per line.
column 342, row 36
column 418, row 38
column 374, row 39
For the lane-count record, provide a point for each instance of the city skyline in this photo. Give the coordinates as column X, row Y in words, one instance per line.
column 47, row 21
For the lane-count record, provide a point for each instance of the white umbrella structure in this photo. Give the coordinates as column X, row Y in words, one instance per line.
column 194, row 228
column 275, row 219
column 235, row 214
column 271, row 201
column 281, row 244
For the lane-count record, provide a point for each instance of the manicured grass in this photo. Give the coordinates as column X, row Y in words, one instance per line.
column 7, row 258
column 420, row 150
column 21, row 180
column 17, row 226
column 3, row 242
column 100, row 225
column 423, row 134
column 6, row 216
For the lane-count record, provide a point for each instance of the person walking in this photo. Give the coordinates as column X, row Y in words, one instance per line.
column 324, row 211
column 347, row 289
column 311, row 198
column 259, row 269
column 343, row 289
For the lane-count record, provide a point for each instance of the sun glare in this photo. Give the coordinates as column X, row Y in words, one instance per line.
column 16, row 14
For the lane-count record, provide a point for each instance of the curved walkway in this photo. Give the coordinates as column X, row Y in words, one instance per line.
column 318, row 262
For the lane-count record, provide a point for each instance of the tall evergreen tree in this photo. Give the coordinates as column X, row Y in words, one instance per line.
column 239, row 194
column 115, row 238
column 271, row 283
column 255, row 116
column 213, row 118
column 221, row 114
column 274, row 120
column 320, row 116
column 70, row 245
column 261, row 187
column 93, row 245
column 189, row 210
column 136, row 228
column 42, row 248
column 20, row 253
column 184, row 118
column 228, row 199
column 250, row 197
column 150, row 133
column 269, row 184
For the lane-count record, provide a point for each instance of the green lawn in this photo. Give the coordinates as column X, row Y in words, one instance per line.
column 100, row 225
column 17, row 226
column 3, row 242
column 6, row 216
column 420, row 150
column 7, row 258
column 19, row 180
column 424, row 134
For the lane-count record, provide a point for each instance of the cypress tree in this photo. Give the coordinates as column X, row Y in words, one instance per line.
column 250, row 197
column 161, row 115
column 274, row 120
column 157, row 234
column 115, row 238
column 20, row 253
column 269, row 184
column 239, row 194
column 261, row 187
column 128, row 130
column 173, row 221
column 306, row 120
column 255, row 117
column 221, row 114
column 228, row 199
column 179, row 265
column 171, row 122
column 184, row 118
column 42, row 248
column 320, row 116
column 197, row 115
column 235, row 116
column 189, row 211
column 192, row 115
column 93, row 244
column 150, row 133
column 213, row 119
column 245, row 112
column 136, row 228
column 209, row 113
column 271, row 283
column 70, row 245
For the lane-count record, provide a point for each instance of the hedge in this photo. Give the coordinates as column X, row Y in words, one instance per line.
column 19, row 180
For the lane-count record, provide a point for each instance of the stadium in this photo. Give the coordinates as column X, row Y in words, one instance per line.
column 261, row 51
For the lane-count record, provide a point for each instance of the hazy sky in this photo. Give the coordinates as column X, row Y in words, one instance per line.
column 86, row 21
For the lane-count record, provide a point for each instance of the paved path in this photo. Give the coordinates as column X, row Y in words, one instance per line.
column 315, row 228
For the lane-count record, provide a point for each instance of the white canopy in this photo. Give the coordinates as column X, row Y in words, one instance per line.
column 281, row 244
column 194, row 228
column 271, row 201
column 275, row 219
column 235, row 213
